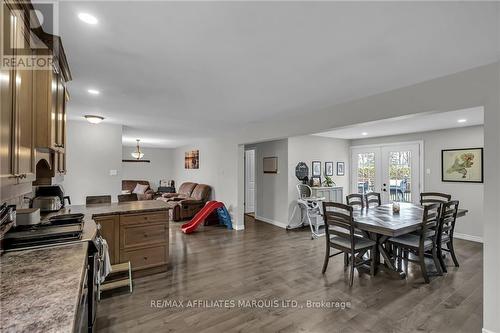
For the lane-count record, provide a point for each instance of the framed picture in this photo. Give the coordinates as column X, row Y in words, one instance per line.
column 192, row 159
column 316, row 168
column 270, row 165
column 462, row 165
column 340, row 168
column 328, row 168
column 315, row 181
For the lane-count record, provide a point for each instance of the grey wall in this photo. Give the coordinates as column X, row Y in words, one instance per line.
column 271, row 198
column 470, row 195
column 310, row 148
column 92, row 151
column 218, row 168
column 161, row 166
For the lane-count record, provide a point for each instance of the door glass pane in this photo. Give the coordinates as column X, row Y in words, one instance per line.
column 366, row 172
column 400, row 175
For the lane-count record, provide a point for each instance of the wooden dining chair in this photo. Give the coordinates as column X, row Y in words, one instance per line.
column 339, row 235
column 448, row 217
column 97, row 199
column 355, row 200
column 425, row 241
column 372, row 199
column 427, row 198
column 127, row 197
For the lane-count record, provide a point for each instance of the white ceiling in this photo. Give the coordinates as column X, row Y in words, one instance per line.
column 409, row 124
column 171, row 72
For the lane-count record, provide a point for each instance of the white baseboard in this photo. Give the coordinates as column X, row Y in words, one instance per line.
column 487, row 331
column 273, row 222
column 468, row 237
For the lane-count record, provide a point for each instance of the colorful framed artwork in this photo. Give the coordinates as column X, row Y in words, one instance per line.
column 192, row 159
column 462, row 165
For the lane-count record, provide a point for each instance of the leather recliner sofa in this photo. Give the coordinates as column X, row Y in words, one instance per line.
column 189, row 200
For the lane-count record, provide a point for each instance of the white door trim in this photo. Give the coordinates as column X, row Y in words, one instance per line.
column 421, row 158
column 246, row 181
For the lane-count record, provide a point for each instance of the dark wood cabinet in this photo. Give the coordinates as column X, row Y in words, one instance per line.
column 110, row 231
column 141, row 238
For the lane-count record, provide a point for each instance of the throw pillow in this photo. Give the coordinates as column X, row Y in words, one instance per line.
column 140, row 189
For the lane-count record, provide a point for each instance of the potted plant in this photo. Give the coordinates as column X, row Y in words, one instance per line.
column 328, row 181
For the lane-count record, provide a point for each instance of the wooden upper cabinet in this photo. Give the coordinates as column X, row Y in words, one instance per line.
column 17, row 129
column 7, row 170
column 24, row 138
column 61, row 115
column 7, row 87
column 46, row 109
column 51, row 98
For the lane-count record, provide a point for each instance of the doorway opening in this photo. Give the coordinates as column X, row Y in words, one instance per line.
column 250, row 183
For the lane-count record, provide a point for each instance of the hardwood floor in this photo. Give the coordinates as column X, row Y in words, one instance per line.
column 265, row 262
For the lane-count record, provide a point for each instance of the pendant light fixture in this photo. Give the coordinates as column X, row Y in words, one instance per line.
column 137, row 154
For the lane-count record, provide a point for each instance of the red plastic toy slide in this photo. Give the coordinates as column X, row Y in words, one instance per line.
column 200, row 217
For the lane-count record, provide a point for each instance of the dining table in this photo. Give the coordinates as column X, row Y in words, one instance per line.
column 381, row 223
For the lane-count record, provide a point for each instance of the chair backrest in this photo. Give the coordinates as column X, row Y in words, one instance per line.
column 97, row 199
column 338, row 222
column 433, row 197
column 448, row 217
column 354, row 200
column 430, row 222
column 127, row 197
column 201, row 192
column 304, row 191
column 372, row 199
column 186, row 189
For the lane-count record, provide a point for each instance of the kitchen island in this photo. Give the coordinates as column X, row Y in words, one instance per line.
column 135, row 231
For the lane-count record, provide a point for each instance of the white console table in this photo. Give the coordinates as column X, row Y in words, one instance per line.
column 332, row 194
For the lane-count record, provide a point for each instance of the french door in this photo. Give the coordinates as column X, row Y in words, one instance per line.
column 393, row 170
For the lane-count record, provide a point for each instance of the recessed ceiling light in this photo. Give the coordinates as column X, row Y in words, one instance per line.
column 87, row 18
column 364, row 134
column 93, row 119
column 93, row 91
column 462, row 120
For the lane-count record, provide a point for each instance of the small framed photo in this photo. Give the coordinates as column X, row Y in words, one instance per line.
column 270, row 165
column 192, row 159
column 316, row 168
column 316, row 181
column 462, row 165
column 340, row 168
column 329, row 169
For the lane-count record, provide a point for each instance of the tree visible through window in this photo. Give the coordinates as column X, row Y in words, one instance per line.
column 366, row 172
column 400, row 175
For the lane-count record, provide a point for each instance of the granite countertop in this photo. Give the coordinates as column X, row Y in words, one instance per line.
column 40, row 288
column 113, row 208
column 91, row 211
